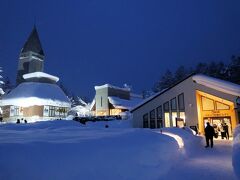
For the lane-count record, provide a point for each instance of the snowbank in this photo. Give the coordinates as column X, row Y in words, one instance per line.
column 69, row 150
column 236, row 151
column 189, row 141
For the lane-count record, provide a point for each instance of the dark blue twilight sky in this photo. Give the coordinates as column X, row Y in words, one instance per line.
column 92, row 42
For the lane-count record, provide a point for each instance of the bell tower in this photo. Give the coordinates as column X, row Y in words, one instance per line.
column 31, row 58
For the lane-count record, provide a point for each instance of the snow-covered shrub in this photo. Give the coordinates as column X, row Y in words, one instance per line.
column 236, row 151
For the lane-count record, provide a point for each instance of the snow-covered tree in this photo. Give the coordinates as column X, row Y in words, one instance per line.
column 1, row 82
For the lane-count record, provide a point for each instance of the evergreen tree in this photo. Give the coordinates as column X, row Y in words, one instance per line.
column 166, row 81
column 180, row 74
column 233, row 70
column 201, row 68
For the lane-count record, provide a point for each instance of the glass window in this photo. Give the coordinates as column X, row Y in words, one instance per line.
column 152, row 119
column 207, row 104
column 51, row 111
column 174, row 104
column 46, row 111
column 181, row 105
column 145, row 120
column 159, row 112
column 182, row 115
column 166, row 107
column 167, row 119
column 221, row 106
column 174, row 116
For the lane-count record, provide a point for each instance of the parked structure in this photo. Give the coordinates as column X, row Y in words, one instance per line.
column 193, row 102
column 111, row 100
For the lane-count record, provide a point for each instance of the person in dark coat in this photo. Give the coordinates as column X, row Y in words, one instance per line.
column 225, row 128
column 209, row 133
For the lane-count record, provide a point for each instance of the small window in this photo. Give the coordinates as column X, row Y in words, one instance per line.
column 152, row 114
column 166, row 107
column 145, row 120
column 207, row 104
column 181, row 105
column 51, row 111
column 152, row 119
column 174, row 104
column 221, row 106
column 101, row 101
column 159, row 112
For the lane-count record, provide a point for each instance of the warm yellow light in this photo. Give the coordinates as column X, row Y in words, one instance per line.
column 176, row 137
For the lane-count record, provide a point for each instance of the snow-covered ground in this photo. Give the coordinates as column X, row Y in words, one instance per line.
column 236, row 151
column 69, row 150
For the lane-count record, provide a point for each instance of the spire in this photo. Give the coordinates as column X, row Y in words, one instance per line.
column 33, row 43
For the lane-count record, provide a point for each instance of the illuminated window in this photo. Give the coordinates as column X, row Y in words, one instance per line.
column 14, row 111
column 159, row 117
column 221, row 106
column 167, row 119
column 174, row 116
column 207, row 104
column 173, row 104
column 182, row 115
column 152, row 119
column 145, row 120
column 181, row 105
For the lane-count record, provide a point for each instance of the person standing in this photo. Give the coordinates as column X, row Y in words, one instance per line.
column 225, row 128
column 209, row 133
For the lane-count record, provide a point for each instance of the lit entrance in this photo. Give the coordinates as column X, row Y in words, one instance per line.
column 216, row 111
column 218, row 122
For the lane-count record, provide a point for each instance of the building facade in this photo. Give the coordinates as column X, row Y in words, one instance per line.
column 193, row 102
column 37, row 96
column 111, row 100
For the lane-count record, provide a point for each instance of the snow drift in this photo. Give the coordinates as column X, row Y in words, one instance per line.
column 236, row 151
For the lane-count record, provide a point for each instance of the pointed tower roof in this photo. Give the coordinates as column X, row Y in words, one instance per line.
column 33, row 43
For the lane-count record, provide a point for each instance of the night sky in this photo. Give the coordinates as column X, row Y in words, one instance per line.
column 93, row 42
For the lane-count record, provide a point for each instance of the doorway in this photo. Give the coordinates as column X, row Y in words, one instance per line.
column 216, row 122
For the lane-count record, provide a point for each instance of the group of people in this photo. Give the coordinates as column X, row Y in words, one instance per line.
column 211, row 132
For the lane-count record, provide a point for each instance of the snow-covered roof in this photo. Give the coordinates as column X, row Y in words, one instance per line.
column 217, row 84
column 40, row 75
column 123, row 103
column 111, row 86
column 34, row 93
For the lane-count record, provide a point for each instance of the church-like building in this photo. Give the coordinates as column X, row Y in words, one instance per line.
column 37, row 96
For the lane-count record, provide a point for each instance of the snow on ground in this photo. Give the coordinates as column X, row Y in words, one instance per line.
column 70, row 150
column 236, row 151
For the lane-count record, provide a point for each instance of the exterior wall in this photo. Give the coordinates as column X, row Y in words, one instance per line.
column 6, row 111
column 102, row 104
column 33, row 111
column 103, row 107
column 189, row 100
column 193, row 115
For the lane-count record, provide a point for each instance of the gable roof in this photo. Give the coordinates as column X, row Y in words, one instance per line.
column 211, row 82
column 33, row 43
